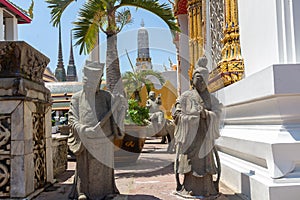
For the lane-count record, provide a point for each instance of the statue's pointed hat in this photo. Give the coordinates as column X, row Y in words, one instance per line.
column 93, row 70
column 201, row 68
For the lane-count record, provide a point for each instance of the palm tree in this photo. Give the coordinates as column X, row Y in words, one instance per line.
column 134, row 81
column 107, row 16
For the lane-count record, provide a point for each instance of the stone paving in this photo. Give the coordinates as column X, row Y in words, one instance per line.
column 150, row 178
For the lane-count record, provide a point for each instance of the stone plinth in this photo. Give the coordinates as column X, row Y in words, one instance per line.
column 260, row 140
column 59, row 153
column 25, row 121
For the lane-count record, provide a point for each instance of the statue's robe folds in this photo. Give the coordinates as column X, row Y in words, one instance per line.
column 92, row 144
column 197, row 127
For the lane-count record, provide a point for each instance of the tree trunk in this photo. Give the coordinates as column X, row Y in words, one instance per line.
column 113, row 73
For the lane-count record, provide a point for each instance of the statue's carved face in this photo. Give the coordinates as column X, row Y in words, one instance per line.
column 89, row 85
column 152, row 95
column 198, row 82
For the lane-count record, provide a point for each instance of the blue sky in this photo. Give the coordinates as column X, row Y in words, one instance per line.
column 44, row 37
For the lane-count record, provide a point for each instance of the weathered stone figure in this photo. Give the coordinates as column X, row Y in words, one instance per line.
column 156, row 115
column 197, row 115
column 94, row 127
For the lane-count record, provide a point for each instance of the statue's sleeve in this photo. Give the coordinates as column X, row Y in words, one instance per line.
column 74, row 140
column 186, row 120
column 177, row 112
column 119, row 112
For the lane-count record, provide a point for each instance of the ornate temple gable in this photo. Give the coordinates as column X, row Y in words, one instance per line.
column 231, row 67
column 20, row 14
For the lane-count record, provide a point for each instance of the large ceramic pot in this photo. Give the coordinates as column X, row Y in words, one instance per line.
column 129, row 148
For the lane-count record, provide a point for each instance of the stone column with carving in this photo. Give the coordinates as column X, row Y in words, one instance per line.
column 25, row 121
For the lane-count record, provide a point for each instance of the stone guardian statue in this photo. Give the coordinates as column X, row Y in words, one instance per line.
column 94, row 125
column 197, row 116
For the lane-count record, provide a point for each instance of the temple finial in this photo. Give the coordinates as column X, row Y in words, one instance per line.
column 142, row 23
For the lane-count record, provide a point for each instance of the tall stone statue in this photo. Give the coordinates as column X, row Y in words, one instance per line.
column 94, row 125
column 197, row 116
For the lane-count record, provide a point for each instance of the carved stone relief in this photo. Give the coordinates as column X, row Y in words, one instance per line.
column 18, row 59
column 5, row 133
column 216, row 29
column 39, row 150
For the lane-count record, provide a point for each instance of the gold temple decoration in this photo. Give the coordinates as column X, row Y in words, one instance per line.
column 231, row 67
column 197, row 30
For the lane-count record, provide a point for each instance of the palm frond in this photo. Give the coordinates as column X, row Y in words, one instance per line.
column 57, row 8
column 157, row 74
column 87, row 25
column 164, row 10
column 135, row 80
column 123, row 18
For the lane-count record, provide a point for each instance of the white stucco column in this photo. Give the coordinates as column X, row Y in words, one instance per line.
column 1, row 25
column 296, row 24
column 11, row 28
column 184, row 52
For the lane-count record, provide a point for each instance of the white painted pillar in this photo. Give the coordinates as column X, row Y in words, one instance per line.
column 1, row 25
column 184, row 52
column 296, row 21
column 11, row 28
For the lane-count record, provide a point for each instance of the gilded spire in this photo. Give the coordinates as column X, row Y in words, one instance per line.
column 71, row 70
column 60, row 72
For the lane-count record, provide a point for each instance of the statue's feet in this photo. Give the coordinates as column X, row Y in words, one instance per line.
column 82, row 197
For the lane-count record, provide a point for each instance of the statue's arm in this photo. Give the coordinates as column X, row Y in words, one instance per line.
column 74, row 113
column 177, row 112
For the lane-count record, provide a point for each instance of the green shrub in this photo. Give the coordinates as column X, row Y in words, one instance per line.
column 136, row 114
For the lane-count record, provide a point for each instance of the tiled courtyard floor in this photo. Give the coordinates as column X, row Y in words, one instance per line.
column 150, row 178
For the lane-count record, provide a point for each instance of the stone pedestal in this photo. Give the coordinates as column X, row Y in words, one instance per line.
column 25, row 121
column 260, row 141
column 59, row 153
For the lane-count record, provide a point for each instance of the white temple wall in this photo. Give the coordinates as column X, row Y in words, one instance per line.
column 269, row 33
column 258, row 34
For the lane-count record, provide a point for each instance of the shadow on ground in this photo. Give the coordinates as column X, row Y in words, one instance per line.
column 132, row 197
column 169, row 169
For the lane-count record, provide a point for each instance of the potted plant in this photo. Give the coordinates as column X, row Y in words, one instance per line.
column 130, row 147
